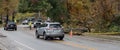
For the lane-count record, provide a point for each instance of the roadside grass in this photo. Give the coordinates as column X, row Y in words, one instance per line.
column 108, row 35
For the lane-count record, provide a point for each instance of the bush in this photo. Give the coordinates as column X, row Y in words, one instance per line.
column 115, row 24
column 115, row 28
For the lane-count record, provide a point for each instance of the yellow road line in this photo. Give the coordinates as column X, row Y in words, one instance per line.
column 76, row 45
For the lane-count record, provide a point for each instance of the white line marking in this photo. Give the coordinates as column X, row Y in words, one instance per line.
column 24, row 45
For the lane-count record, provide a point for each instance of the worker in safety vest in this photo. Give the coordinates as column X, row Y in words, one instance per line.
column 30, row 25
column 15, row 20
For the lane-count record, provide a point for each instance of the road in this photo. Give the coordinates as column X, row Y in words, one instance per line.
column 24, row 39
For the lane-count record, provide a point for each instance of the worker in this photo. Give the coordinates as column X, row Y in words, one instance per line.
column 15, row 20
column 30, row 25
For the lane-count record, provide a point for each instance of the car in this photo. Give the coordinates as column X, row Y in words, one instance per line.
column 32, row 19
column 37, row 23
column 10, row 25
column 50, row 30
column 25, row 22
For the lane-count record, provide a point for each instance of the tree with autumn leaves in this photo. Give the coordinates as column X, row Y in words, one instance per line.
column 7, row 8
column 93, row 14
column 79, row 13
column 103, row 13
column 97, row 15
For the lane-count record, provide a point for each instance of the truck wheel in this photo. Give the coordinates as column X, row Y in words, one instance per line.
column 61, row 38
column 37, row 36
column 4, row 29
column 45, row 37
column 15, row 29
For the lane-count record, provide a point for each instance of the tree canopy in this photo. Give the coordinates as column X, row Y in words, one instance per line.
column 100, row 15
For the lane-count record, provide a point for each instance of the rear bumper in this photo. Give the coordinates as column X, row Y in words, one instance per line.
column 55, row 34
column 25, row 23
column 11, row 27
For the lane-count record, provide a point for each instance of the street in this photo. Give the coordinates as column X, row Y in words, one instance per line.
column 24, row 39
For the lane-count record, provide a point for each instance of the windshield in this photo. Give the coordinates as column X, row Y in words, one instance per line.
column 11, row 23
column 39, row 21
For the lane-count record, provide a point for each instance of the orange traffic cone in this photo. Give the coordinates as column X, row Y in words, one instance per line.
column 71, row 33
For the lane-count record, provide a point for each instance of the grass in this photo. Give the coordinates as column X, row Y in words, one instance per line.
column 107, row 33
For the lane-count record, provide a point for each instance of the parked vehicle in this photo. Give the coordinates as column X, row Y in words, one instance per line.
column 50, row 30
column 37, row 23
column 10, row 25
column 25, row 22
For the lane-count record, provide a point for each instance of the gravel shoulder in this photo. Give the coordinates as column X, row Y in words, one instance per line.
column 111, row 39
column 107, row 37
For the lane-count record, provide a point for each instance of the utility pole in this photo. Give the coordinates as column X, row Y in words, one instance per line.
column 7, row 16
column 7, row 12
column 13, row 16
column 39, row 15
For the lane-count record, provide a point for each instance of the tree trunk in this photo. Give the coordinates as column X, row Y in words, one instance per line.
column 13, row 16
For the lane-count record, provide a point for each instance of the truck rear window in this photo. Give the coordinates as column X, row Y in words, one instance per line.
column 55, row 26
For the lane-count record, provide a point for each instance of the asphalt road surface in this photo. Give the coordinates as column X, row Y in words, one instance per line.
column 24, row 39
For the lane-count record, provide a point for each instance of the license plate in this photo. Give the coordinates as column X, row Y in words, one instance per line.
column 11, row 25
column 56, row 31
